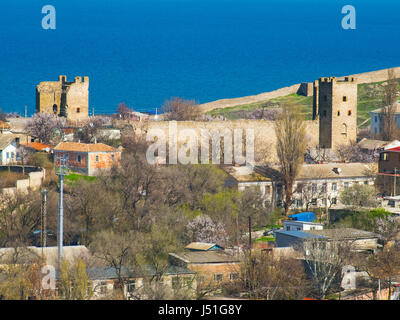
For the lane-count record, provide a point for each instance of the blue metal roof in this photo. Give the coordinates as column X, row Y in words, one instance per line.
column 304, row 216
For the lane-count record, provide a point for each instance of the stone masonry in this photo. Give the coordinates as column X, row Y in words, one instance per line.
column 64, row 98
column 335, row 106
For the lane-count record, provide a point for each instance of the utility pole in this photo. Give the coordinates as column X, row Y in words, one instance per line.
column 250, row 240
column 43, row 231
column 61, row 171
column 394, row 186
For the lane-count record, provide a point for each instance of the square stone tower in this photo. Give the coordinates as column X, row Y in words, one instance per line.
column 335, row 106
column 64, row 98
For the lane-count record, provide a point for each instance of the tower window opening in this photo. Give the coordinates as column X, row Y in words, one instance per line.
column 349, row 113
column 338, row 113
column 344, row 98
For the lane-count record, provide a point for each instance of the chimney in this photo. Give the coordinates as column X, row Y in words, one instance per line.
column 337, row 170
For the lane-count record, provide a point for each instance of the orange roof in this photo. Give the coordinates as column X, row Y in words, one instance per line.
column 37, row 146
column 4, row 125
column 84, row 147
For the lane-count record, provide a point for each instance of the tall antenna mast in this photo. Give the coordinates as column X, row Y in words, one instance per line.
column 61, row 171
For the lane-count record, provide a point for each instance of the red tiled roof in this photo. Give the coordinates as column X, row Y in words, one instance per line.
column 37, row 146
column 84, row 147
column 397, row 149
column 4, row 125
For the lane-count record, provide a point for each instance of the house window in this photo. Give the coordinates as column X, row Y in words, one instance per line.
column 346, row 185
column 287, row 228
column 384, row 156
column 175, row 283
column 338, row 113
column 298, row 229
column 314, row 188
column 324, row 187
column 234, row 276
column 299, row 203
column 131, row 286
column 376, row 119
column 333, row 201
column 391, row 203
column 78, row 110
column 79, row 158
column 7, row 155
column 103, row 287
column 314, row 202
column 218, row 277
column 344, row 98
column 349, row 113
column 187, row 282
column 97, row 158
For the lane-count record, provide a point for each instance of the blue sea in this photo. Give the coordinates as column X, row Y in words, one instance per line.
column 146, row 51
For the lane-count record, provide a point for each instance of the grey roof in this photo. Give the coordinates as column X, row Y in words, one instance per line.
column 109, row 273
column 371, row 144
column 29, row 254
column 205, row 257
column 324, row 171
column 299, row 234
column 344, row 234
column 5, row 140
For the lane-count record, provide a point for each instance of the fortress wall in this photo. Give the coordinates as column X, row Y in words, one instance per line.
column 265, row 139
column 301, row 88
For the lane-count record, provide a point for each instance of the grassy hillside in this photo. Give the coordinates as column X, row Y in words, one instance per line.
column 369, row 98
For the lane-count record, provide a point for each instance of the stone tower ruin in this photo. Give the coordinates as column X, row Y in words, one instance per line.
column 335, row 106
column 63, row 98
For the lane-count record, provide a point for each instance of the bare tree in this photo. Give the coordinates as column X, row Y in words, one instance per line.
column 324, row 261
column 43, row 126
column 353, row 153
column 88, row 133
column 310, row 193
column 19, row 217
column 385, row 265
column 124, row 112
column 290, row 133
column 266, row 276
column 391, row 92
column 180, row 110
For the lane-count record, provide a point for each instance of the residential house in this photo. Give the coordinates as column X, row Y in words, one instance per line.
column 317, row 185
column 8, row 149
column 211, row 262
column 105, row 280
column 359, row 240
column 245, row 177
column 87, row 158
column 388, row 170
column 293, row 225
column 377, row 119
